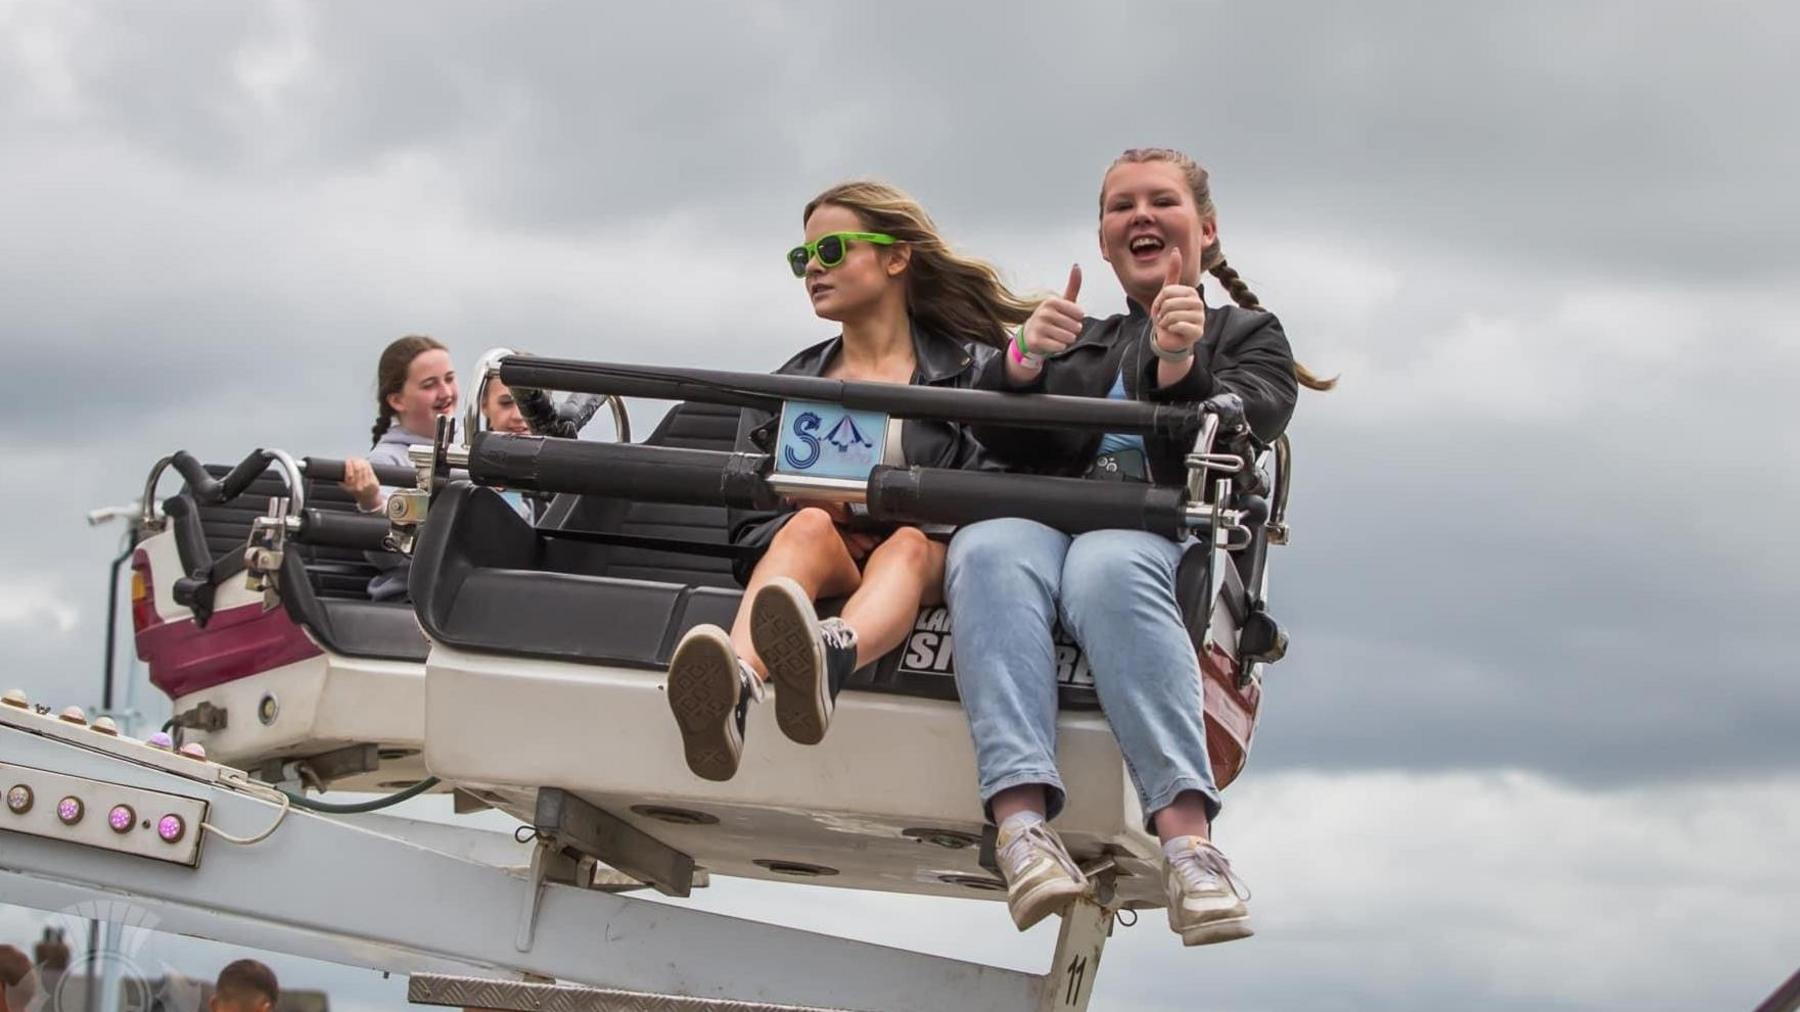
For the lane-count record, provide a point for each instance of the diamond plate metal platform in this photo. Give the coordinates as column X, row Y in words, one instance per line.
column 525, row 996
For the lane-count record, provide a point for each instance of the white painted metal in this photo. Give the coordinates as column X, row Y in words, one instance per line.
column 503, row 727
column 93, row 802
column 323, row 703
column 325, row 888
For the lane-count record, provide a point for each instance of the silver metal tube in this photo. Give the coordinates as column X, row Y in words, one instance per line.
column 486, row 367
column 290, row 472
column 794, row 486
column 1203, row 443
column 151, row 515
column 1278, row 504
column 621, row 419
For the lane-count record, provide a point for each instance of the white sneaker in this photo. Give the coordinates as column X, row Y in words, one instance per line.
column 1041, row 878
column 1206, row 901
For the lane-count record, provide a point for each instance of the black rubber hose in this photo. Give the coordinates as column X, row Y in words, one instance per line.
column 358, row 808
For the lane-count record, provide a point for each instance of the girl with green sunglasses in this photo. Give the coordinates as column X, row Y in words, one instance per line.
column 912, row 311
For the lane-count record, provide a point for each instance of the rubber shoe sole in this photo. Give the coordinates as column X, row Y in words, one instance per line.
column 1212, row 932
column 703, row 695
column 785, row 629
column 1053, row 897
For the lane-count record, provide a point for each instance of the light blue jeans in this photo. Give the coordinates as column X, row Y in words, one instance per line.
column 1007, row 581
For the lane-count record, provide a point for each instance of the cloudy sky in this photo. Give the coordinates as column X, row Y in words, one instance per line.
column 1535, row 745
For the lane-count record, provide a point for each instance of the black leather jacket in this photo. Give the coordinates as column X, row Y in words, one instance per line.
column 1243, row 351
column 941, row 362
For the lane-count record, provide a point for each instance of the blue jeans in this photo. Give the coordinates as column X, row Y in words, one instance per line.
column 1006, row 582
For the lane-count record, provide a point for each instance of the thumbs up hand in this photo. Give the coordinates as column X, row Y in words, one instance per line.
column 1056, row 323
column 1178, row 310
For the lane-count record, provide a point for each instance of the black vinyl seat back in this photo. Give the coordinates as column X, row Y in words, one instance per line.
column 323, row 588
column 333, row 573
column 689, row 425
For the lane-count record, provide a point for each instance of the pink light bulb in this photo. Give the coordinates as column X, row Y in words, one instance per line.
column 171, row 828
column 69, row 810
column 121, row 818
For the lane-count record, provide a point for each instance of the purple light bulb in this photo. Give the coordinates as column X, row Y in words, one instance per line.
column 121, row 818
column 171, row 828
column 69, row 810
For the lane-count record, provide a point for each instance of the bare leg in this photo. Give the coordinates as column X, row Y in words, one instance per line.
column 901, row 573
column 808, row 550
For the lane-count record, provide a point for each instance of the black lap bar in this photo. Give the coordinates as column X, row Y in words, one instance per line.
column 392, row 475
column 211, row 491
column 628, row 470
column 1072, row 505
column 365, row 531
column 767, row 391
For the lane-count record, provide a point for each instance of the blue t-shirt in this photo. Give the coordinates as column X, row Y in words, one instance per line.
column 1113, row 442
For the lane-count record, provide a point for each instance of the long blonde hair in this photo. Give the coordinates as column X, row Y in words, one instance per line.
column 948, row 293
column 1213, row 260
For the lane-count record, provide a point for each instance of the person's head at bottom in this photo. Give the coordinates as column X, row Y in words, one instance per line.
column 245, row 986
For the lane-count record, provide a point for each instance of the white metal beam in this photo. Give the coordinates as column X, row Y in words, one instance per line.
column 329, row 889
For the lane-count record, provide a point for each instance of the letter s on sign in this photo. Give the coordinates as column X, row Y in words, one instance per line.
column 804, row 427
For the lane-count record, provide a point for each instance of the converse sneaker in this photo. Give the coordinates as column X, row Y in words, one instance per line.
column 808, row 660
column 710, row 690
column 1041, row 878
column 1206, row 901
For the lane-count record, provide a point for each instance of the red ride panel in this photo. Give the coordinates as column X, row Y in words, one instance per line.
column 1230, row 715
column 242, row 641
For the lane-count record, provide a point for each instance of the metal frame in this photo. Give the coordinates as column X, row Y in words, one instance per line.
column 488, row 368
column 422, row 902
column 150, row 515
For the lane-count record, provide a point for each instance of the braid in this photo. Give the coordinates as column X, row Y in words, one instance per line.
column 383, row 422
column 1234, row 284
column 1242, row 295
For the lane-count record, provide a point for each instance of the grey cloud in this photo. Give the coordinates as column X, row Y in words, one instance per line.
column 1614, row 137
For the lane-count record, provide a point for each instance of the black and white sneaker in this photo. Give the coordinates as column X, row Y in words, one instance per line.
column 808, row 660
column 710, row 690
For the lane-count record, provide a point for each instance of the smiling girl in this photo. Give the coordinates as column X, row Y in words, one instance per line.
column 415, row 384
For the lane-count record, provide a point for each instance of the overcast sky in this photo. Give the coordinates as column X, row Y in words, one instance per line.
column 1535, row 744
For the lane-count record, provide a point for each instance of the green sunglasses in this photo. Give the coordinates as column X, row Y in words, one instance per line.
column 830, row 249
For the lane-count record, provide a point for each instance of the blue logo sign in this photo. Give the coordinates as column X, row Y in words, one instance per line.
column 830, row 441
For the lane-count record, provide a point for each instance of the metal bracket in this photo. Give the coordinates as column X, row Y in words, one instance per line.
column 579, row 826
column 1079, row 944
column 266, row 548
column 202, row 717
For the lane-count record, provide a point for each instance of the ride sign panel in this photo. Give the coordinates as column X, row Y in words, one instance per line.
column 825, row 440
